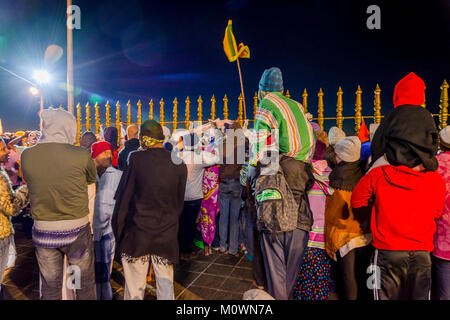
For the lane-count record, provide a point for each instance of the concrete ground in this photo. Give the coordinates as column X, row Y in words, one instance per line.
column 214, row 277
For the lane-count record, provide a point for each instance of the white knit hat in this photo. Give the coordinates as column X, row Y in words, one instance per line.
column 348, row 149
column 335, row 134
column 444, row 136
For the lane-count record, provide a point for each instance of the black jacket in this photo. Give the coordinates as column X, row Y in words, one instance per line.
column 149, row 202
column 130, row 145
column 408, row 136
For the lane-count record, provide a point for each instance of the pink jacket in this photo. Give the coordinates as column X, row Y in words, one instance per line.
column 442, row 235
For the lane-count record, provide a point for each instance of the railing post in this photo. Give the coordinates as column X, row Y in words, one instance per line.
column 161, row 112
column 213, row 107
column 175, row 114
column 200, row 109
column 139, row 114
column 118, row 121
column 358, row 108
column 305, row 101
column 377, row 105
column 288, row 94
column 88, row 116
column 97, row 119
column 107, row 115
column 78, row 123
column 240, row 99
column 320, row 109
column 255, row 104
column 443, row 106
column 150, row 111
column 187, row 115
column 225, row 107
column 339, row 108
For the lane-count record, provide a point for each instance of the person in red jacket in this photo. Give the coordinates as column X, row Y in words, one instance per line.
column 406, row 194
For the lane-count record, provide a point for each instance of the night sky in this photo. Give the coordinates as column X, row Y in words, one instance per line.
column 130, row 50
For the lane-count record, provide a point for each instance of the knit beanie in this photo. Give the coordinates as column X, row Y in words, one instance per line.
column 87, row 139
column 409, row 90
column 271, row 80
column 444, row 137
column 99, row 147
column 348, row 149
column 335, row 134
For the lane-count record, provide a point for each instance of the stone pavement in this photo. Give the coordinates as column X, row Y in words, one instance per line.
column 214, row 277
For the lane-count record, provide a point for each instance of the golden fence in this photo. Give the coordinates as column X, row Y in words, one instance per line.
column 88, row 125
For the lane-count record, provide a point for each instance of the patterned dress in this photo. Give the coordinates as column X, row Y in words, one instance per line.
column 210, row 204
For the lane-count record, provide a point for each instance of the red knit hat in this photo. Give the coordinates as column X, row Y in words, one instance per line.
column 99, row 147
column 409, row 90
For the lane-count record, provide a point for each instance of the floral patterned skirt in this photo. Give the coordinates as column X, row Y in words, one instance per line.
column 314, row 276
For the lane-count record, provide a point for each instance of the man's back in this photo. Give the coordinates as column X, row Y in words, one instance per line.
column 57, row 175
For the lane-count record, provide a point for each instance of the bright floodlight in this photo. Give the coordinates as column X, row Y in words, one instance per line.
column 34, row 91
column 41, row 76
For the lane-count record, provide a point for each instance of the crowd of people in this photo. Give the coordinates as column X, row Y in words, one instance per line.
column 320, row 215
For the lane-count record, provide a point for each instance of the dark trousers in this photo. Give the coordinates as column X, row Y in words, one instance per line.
column 283, row 256
column 351, row 274
column 187, row 225
column 80, row 255
column 440, row 289
column 403, row 275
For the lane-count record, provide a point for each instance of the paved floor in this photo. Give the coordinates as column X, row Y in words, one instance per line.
column 214, row 277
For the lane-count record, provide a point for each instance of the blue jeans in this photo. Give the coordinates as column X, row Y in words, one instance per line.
column 216, row 242
column 104, row 256
column 440, row 287
column 230, row 205
column 51, row 265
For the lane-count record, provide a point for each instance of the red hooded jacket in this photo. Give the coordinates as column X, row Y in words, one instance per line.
column 406, row 204
column 409, row 90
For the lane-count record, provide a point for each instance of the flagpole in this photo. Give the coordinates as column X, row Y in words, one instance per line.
column 242, row 87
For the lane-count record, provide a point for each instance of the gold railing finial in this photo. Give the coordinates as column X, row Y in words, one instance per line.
column 305, row 101
column 377, row 105
column 161, row 112
column 255, row 104
column 200, row 109
column 175, row 114
column 128, row 113
column 320, row 109
column 225, row 107
column 213, row 107
column 358, row 108
column 107, row 115
column 339, row 108
column 88, row 116
column 188, row 113
column 139, row 114
column 288, row 94
column 443, row 106
column 150, row 110
column 97, row 118
column 240, row 112
column 78, row 123
column 118, row 122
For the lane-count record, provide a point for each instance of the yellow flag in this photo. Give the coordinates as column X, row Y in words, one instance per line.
column 229, row 46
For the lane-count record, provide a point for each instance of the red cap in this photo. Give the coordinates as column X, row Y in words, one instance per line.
column 99, row 147
column 409, row 90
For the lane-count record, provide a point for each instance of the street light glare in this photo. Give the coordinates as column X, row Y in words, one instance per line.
column 41, row 76
column 34, row 91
